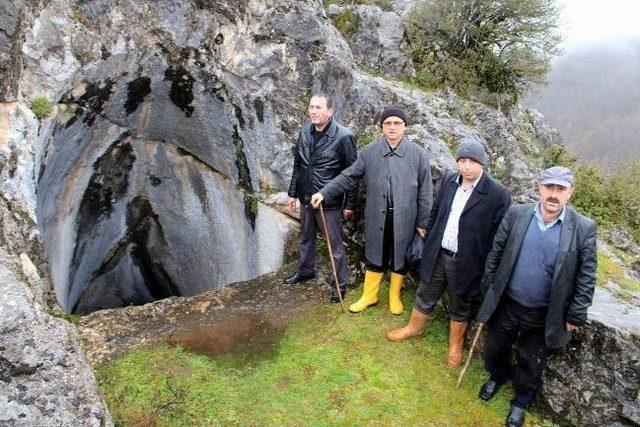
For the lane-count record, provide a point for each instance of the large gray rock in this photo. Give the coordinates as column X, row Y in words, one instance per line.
column 623, row 240
column 44, row 376
column 378, row 43
column 596, row 380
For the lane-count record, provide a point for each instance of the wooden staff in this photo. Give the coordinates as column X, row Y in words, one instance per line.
column 466, row 365
column 333, row 264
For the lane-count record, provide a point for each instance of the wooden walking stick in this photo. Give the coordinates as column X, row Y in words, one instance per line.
column 333, row 264
column 466, row 365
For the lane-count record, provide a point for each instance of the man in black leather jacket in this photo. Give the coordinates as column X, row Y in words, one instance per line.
column 324, row 148
column 538, row 284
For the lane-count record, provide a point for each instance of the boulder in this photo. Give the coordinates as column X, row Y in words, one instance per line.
column 595, row 381
column 44, row 375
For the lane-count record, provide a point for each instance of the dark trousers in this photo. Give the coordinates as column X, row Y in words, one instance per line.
column 388, row 243
column 515, row 323
column 443, row 277
column 311, row 224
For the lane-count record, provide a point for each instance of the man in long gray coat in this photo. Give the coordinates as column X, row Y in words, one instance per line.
column 538, row 284
column 399, row 196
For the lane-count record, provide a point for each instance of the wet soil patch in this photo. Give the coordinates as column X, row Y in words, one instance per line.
column 251, row 334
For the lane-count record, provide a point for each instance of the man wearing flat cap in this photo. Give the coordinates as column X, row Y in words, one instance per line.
column 539, row 282
column 399, row 195
column 463, row 221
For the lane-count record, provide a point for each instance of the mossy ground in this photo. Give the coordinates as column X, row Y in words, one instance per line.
column 610, row 272
column 328, row 368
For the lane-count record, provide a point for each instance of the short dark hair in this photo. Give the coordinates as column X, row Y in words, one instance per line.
column 321, row 94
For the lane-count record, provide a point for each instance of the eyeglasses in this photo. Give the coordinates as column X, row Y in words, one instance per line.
column 392, row 123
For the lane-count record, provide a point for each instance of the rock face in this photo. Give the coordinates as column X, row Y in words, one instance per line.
column 378, row 42
column 174, row 120
column 44, row 376
column 596, row 380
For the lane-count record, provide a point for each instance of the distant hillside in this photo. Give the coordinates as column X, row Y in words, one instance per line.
column 593, row 99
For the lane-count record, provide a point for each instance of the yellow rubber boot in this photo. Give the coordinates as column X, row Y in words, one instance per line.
column 395, row 285
column 370, row 292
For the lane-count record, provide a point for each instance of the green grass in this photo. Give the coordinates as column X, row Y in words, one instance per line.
column 41, row 107
column 610, row 271
column 347, row 22
column 329, row 369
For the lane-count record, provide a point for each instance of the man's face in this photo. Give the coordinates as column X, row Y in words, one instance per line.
column 553, row 198
column 393, row 128
column 319, row 112
column 469, row 169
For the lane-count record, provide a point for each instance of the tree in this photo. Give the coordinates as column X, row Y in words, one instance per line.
column 502, row 46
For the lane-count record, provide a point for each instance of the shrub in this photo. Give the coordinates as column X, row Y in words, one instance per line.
column 501, row 46
column 41, row 107
column 610, row 199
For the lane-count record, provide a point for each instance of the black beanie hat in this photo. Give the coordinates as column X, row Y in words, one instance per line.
column 392, row 110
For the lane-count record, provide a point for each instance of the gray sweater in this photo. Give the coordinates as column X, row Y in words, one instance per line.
column 530, row 281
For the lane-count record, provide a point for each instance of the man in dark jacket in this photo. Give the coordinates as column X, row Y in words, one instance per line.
column 460, row 231
column 539, row 282
column 323, row 150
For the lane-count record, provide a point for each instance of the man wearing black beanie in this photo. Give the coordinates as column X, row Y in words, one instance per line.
column 399, row 194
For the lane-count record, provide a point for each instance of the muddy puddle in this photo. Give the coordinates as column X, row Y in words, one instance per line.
column 250, row 334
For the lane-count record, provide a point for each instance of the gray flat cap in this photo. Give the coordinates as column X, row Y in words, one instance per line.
column 557, row 175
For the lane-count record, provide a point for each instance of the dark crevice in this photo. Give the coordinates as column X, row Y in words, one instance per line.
column 244, row 174
column 186, row 153
column 141, row 222
column 258, row 106
column 104, row 52
column 155, row 181
column 143, row 231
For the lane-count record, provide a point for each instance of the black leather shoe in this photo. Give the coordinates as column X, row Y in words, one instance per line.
column 489, row 390
column 334, row 298
column 297, row 278
column 515, row 417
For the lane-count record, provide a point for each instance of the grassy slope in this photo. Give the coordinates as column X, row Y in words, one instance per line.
column 609, row 271
column 327, row 369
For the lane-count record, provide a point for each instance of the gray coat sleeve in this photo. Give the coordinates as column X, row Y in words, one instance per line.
column 425, row 191
column 347, row 179
column 585, row 281
column 349, row 156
